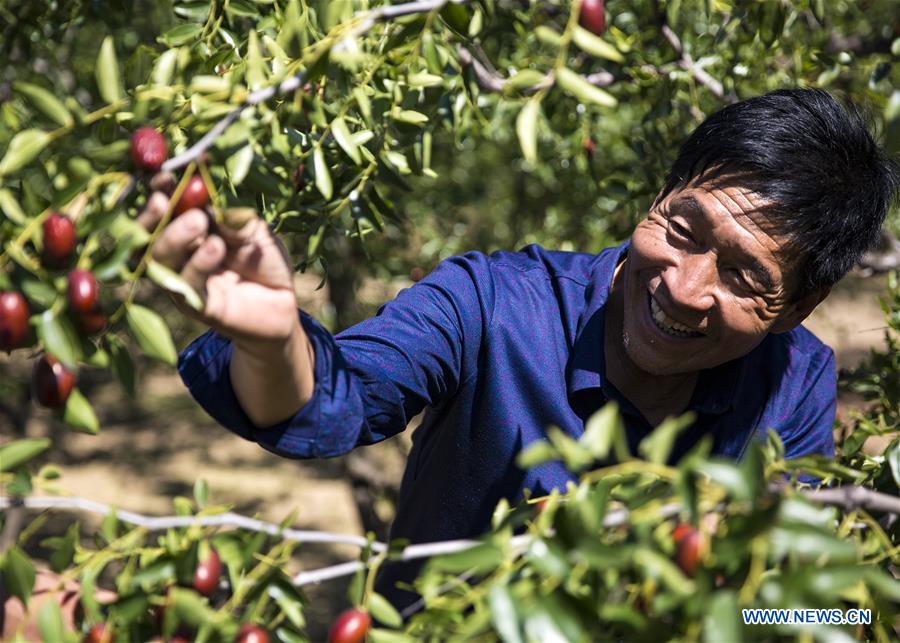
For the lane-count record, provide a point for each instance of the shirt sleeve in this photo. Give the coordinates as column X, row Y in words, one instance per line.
column 810, row 428
column 371, row 378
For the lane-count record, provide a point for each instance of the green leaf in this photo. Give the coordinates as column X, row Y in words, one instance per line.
column 241, row 8
column 18, row 573
column 155, row 573
column 526, row 128
column 408, row 116
column 152, row 333
column 378, row 635
column 39, row 292
column 79, row 414
column 383, row 611
column 596, row 46
column 11, row 208
column 601, row 430
column 289, row 601
column 582, row 89
column 721, row 622
column 22, row 149
column 424, row 79
column 193, row 10
column 201, row 492
column 504, row 615
column 730, row 477
column 257, row 73
column 456, row 16
column 345, row 140
column 50, row 622
column 524, row 79
column 108, row 72
column 574, row 455
column 365, row 105
column 548, row 559
column 655, row 565
column 169, row 280
column 45, row 102
column 483, row 557
column 63, row 548
column 535, row 454
column 190, row 607
column 238, row 164
column 893, row 459
column 164, row 68
column 548, row 35
column 657, row 446
column 59, row 338
column 19, row 452
column 323, row 176
column 121, row 363
column 180, row 34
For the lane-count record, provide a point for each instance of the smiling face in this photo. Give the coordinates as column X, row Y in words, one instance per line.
column 703, row 282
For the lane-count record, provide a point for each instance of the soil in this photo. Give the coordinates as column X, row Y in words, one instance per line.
column 152, row 448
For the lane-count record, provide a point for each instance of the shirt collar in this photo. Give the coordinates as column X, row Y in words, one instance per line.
column 716, row 387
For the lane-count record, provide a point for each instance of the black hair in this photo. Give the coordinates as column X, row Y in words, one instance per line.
column 832, row 185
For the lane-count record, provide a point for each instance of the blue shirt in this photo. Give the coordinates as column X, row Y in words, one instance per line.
column 497, row 348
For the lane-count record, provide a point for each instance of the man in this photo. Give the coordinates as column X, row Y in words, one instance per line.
column 769, row 203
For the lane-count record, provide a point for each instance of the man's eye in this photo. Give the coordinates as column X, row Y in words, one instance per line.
column 741, row 280
column 681, row 231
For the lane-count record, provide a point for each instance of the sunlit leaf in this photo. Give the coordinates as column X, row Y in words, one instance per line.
column 526, row 129
column 79, row 414
column 48, row 104
column 22, row 149
column 107, row 70
column 152, row 333
column 18, row 452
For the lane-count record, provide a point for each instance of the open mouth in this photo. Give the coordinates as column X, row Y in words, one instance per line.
column 668, row 325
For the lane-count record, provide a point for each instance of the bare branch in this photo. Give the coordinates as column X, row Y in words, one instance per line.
column 853, row 497
column 848, row 498
column 687, row 63
column 491, row 81
column 150, row 523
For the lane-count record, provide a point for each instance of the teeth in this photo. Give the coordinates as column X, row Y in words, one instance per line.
column 667, row 324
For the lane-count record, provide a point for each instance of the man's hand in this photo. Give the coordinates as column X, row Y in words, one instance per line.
column 243, row 276
column 246, row 283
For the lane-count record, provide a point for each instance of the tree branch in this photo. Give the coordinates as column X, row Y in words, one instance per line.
column 491, row 81
column 687, row 63
column 851, row 498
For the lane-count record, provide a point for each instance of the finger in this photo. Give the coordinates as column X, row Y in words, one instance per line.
column 153, row 212
column 254, row 230
column 205, row 261
column 163, row 182
column 181, row 237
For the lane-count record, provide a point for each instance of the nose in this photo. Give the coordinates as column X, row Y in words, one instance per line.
column 691, row 283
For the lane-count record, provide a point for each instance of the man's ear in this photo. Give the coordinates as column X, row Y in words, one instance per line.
column 799, row 310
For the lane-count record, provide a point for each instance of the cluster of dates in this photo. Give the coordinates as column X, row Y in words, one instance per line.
column 52, row 382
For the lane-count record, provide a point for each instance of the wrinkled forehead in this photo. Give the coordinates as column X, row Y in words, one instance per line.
column 758, row 207
column 761, row 212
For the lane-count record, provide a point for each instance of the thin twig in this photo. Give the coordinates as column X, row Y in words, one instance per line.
column 228, row 519
column 853, row 497
column 491, row 81
column 849, row 498
column 700, row 75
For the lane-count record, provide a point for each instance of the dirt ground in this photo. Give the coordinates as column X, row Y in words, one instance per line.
column 153, row 448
